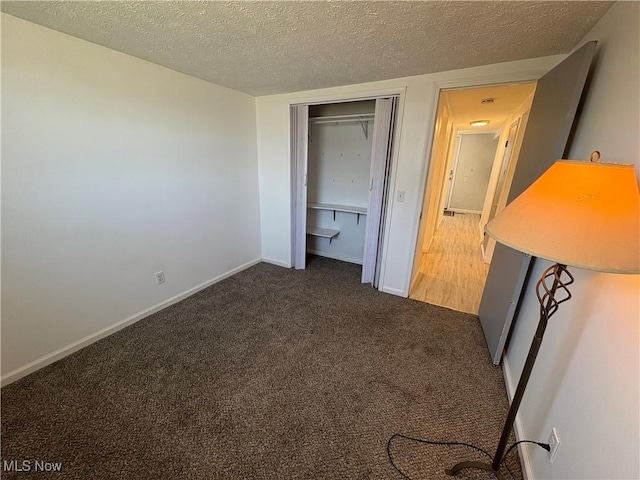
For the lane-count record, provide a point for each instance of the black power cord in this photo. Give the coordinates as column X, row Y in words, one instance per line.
column 546, row 446
column 428, row 442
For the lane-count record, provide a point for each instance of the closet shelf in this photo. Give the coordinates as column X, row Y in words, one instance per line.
column 322, row 232
column 338, row 208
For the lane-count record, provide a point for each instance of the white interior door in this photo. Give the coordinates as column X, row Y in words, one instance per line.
column 456, row 153
column 378, row 183
column 551, row 117
column 472, row 172
column 299, row 159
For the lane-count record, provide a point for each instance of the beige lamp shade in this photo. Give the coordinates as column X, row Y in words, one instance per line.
column 577, row 213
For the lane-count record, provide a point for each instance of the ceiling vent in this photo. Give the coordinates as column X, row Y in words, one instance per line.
column 488, row 100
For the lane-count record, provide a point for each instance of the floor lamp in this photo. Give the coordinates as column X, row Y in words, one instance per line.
column 580, row 214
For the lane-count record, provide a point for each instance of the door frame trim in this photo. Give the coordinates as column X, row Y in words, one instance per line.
column 456, row 154
column 374, row 94
column 529, row 75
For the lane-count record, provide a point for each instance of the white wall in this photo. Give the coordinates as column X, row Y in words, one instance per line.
column 113, row 168
column 416, row 122
column 497, row 193
column 338, row 170
column 339, row 164
column 433, row 201
column 586, row 379
column 519, row 116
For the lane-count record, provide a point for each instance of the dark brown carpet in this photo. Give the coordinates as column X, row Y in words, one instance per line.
column 272, row 373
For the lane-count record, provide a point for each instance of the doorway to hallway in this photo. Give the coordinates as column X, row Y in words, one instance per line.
column 477, row 137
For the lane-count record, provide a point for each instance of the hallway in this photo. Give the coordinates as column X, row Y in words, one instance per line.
column 452, row 273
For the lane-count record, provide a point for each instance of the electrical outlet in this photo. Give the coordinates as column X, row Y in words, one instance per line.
column 160, row 277
column 554, row 443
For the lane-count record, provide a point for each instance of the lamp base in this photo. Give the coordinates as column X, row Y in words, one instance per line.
column 480, row 465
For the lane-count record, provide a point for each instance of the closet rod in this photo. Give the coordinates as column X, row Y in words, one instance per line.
column 342, row 118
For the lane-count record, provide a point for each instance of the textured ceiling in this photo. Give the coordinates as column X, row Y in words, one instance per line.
column 275, row 47
column 465, row 105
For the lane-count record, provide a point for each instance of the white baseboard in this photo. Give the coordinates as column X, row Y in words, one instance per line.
column 430, row 243
column 463, row 210
column 278, row 263
column 394, row 291
column 335, row 257
column 105, row 332
column 523, row 448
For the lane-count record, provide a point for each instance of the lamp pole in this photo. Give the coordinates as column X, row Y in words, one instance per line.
column 548, row 306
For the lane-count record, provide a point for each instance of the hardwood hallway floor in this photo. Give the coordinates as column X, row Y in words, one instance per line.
column 452, row 273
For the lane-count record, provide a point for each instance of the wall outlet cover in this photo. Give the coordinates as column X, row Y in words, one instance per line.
column 554, row 443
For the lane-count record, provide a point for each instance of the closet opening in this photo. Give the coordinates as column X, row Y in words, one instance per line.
column 341, row 159
column 469, row 177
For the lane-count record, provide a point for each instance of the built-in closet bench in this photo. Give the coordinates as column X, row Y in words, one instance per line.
column 322, row 232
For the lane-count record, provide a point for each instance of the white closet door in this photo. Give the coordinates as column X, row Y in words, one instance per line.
column 380, row 162
column 299, row 153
